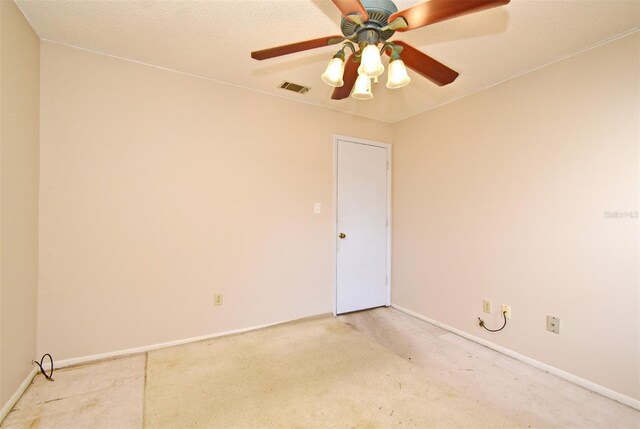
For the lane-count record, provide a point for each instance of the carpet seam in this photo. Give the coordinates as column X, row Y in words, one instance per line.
column 144, row 389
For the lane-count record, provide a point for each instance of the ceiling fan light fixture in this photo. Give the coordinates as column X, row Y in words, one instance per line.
column 365, row 24
column 397, row 74
column 333, row 74
column 362, row 88
column 370, row 62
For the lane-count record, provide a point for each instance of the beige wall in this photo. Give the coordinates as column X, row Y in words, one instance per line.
column 503, row 194
column 160, row 190
column 19, row 101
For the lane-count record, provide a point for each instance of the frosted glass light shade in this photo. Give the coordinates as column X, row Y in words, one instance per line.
column 362, row 88
column 398, row 76
column 333, row 74
column 370, row 63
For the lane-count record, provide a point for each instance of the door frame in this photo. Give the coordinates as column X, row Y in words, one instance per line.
column 336, row 138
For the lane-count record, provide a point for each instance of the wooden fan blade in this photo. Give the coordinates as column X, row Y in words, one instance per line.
column 296, row 47
column 349, row 8
column 440, row 10
column 349, row 78
column 426, row 66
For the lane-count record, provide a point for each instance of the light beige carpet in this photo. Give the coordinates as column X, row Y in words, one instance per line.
column 318, row 373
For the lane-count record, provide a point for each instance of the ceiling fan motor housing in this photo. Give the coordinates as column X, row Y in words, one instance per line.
column 379, row 12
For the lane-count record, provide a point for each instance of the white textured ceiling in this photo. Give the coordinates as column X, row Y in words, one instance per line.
column 213, row 39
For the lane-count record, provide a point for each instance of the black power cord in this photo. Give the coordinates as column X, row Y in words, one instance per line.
column 47, row 376
column 481, row 323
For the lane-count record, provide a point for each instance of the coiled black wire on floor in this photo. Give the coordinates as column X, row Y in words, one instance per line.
column 50, row 375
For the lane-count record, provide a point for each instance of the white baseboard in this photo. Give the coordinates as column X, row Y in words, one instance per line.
column 101, row 356
column 604, row 391
column 6, row 408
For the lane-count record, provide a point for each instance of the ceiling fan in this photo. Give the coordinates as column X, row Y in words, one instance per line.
column 365, row 25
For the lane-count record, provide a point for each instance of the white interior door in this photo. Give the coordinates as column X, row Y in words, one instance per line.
column 362, row 226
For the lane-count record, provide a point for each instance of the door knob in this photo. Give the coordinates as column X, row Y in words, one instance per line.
column 342, row 235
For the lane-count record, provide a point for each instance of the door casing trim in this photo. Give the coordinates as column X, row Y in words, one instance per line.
column 336, row 138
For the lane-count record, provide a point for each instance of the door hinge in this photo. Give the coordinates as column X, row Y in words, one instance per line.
column 387, row 165
column 386, row 280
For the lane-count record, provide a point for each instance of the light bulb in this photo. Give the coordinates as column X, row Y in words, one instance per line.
column 398, row 76
column 362, row 88
column 333, row 74
column 370, row 63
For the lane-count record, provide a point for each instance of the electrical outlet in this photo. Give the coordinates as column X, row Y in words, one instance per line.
column 486, row 306
column 553, row 324
column 507, row 308
column 217, row 299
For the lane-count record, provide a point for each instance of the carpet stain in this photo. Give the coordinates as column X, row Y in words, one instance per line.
column 311, row 374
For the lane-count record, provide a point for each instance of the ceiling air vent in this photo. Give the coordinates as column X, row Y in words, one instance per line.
column 294, row 87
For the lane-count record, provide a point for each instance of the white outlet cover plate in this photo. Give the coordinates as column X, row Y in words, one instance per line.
column 506, row 308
